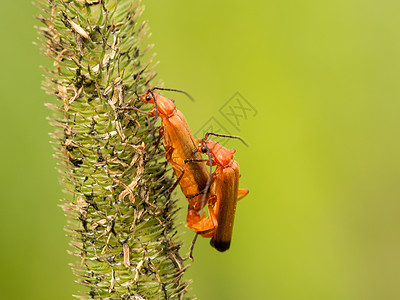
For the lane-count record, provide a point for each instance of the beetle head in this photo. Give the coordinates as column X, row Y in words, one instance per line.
column 147, row 98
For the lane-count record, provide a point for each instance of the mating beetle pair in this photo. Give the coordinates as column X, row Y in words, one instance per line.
column 218, row 189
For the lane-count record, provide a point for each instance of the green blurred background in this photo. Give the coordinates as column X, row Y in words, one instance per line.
column 323, row 214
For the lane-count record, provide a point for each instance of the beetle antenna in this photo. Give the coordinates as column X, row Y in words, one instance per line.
column 227, row 136
column 156, row 116
column 173, row 90
column 203, row 200
column 153, row 127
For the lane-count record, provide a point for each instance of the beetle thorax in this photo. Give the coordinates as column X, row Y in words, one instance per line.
column 221, row 155
column 165, row 105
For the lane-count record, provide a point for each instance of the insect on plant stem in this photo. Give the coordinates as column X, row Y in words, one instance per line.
column 180, row 145
column 203, row 201
column 223, row 194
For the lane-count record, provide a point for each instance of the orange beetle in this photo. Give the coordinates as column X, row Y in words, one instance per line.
column 223, row 194
column 179, row 146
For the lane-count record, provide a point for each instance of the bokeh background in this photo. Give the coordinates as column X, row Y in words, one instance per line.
column 321, row 83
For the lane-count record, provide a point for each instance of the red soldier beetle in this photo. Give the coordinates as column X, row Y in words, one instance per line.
column 179, row 145
column 223, row 195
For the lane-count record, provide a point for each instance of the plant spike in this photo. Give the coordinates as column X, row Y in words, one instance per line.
column 121, row 218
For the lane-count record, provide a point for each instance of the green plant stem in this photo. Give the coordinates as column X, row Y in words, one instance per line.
column 121, row 217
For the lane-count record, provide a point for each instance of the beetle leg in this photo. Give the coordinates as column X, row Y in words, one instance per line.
column 194, row 160
column 175, row 166
column 202, row 191
column 176, row 183
column 207, row 232
column 192, row 247
column 213, row 219
column 211, row 224
column 243, row 193
column 160, row 135
column 193, row 218
column 195, row 195
column 202, row 225
column 151, row 113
